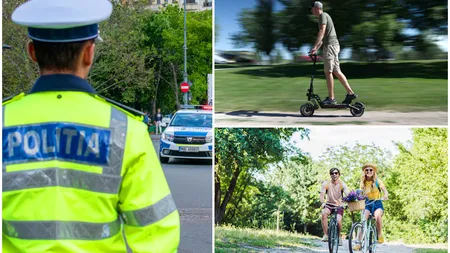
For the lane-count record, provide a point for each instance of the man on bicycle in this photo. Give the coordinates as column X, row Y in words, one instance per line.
column 333, row 189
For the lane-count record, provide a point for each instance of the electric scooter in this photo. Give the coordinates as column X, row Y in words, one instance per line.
column 314, row 101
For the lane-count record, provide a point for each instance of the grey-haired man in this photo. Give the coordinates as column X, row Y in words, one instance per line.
column 327, row 36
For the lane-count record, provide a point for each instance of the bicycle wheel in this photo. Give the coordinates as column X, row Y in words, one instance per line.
column 373, row 238
column 355, row 239
column 333, row 239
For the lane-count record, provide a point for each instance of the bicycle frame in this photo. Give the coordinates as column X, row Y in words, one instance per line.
column 369, row 236
column 333, row 231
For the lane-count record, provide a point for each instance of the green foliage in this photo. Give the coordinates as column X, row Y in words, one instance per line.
column 430, row 251
column 140, row 63
column 420, row 179
column 258, row 27
column 120, row 72
column 18, row 71
column 242, row 152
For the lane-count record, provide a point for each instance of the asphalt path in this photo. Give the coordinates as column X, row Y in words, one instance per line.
column 323, row 247
column 190, row 182
column 245, row 118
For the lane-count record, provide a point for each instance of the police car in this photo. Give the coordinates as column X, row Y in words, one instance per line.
column 189, row 135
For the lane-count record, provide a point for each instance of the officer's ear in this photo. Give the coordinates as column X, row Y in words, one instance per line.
column 88, row 53
column 31, row 51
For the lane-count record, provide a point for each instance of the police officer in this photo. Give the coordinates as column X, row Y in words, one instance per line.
column 73, row 163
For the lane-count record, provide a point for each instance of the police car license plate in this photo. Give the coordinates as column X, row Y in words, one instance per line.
column 188, row 149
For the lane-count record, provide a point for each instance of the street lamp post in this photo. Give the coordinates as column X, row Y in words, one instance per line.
column 185, row 96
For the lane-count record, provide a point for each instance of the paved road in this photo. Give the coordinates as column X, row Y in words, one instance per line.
column 244, row 118
column 383, row 248
column 191, row 184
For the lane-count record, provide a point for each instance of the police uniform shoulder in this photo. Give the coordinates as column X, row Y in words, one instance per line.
column 12, row 98
column 126, row 109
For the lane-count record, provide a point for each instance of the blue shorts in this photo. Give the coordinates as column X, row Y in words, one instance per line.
column 374, row 206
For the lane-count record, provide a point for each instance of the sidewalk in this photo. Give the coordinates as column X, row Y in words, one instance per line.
column 155, row 137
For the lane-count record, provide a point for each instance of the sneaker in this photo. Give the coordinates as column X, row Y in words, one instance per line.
column 340, row 241
column 329, row 101
column 349, row 98
column 380, row 239
column 357, row 247
column 325, row 238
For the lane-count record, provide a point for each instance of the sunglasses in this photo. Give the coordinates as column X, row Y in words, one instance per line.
column 368, row 170
column 334, row 173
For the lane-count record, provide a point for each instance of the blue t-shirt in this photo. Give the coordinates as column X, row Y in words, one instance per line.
column 146, row 119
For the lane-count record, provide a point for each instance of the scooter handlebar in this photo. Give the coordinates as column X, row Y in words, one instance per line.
column 313, row 56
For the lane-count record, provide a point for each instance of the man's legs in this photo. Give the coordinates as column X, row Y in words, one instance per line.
column 339, row 222
column 325, row 213
column 330, row 84
column 157, row 127
column 343, row 81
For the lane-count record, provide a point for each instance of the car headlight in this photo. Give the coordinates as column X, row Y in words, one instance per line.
column 168, row 136
column 209, row 139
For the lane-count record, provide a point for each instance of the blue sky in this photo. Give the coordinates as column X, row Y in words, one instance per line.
column 226, row 14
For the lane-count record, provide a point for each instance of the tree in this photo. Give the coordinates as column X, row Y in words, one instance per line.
column 19, row 72
column 258, row 27
column 240, row 151
column 419, row 184
column 165, row 36
column 120, row 71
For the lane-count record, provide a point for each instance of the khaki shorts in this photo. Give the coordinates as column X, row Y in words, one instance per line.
column 331, row 58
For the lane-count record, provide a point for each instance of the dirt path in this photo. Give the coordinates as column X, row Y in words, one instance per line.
column 328, row 117
column 383, row 248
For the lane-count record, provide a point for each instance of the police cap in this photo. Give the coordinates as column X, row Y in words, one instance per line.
column 61, row 21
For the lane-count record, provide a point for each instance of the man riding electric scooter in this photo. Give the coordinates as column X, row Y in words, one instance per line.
column 327, row 36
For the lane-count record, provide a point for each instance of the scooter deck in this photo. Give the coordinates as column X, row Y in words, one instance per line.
column 336, row 106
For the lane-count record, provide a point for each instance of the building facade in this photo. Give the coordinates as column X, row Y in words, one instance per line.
column 191, row 5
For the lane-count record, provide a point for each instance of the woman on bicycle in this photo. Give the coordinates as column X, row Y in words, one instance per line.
column 372, row 187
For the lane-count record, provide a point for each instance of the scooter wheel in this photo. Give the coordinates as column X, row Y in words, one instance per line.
column 359, row 111
column 307, row 110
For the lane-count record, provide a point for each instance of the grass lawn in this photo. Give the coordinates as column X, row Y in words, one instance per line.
column 430, row 251
column 228, row 239
column 389, row 86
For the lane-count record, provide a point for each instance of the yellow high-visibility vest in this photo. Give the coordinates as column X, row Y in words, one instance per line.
column 79, row 173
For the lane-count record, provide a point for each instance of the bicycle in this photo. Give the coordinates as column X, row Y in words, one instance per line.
column 364, row 233
column 333, row 231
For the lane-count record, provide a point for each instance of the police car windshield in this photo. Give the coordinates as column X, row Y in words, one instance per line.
column 192, row 120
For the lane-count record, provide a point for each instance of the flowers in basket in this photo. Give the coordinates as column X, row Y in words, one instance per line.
column 354, row 196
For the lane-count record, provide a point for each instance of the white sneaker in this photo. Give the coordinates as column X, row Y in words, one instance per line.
column 325, row 238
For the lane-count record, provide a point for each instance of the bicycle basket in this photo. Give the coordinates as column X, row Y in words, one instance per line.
column 357, row 205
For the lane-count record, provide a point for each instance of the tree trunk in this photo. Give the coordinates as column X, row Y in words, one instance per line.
column 228, row 195
column 278, row 219
column 247, row 180
column 175, row 85
column 304, row 228
column 217, row 196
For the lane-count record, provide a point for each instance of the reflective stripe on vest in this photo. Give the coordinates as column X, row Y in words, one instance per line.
column 107, row 182
column 39, row 178
column 150, row 214
column 60, row 230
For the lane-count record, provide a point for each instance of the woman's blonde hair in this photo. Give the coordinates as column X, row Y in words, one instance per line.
column 364, row 178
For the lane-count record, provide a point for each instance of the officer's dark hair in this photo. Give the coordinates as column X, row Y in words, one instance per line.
column 58, row 56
